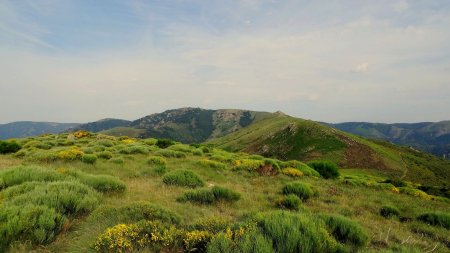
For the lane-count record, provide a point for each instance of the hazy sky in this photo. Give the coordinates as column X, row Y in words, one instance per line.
column 79, row 61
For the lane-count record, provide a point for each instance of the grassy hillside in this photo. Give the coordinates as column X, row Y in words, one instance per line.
column 29, row 128
column 427, row 136
column 285, row 137
column 100, row 125
column 85, row 192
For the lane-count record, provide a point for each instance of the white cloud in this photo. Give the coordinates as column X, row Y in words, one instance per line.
column 361, row 68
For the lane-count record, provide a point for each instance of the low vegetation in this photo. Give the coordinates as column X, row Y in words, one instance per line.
column 185, row 178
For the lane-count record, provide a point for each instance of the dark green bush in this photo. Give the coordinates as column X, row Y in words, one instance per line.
column 9, row 147
column 389, row 211
column 89, row 159
column 326, row 169
column 345, row 230
column 303, row 191
column 291, row 201
column 395, row 182
column 36, row 223
column 436, row 219
column 222, row 193
column 250, row 242
column 209, row 196
column 292, row 232
column 183, row 178
column 202, row 196
column 146, row 211
column 164, row 143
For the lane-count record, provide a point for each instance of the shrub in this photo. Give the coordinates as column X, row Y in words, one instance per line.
column 272, row 162
column 147, row 211
column 81, row 134
column 105, row 155
column 213, row 224
column 181, row 147
column 144, row 234
column 303, row 191
column 436, row 219
column 210, row 196
column 157, row 160
column 250, row 242
column 170, row 153
column 70, row 154
column 345, row 230
column 197, row 152
column 326, row 169
column 292, row 232
column 43, row 156
column 292, row 172
column 9, row 147
column 291, row 201
column 212, row 164
column 202, row 196
column 222, row 193
column 105, row 143
column 36, row 144
column 196, row 240
column 150, row 141
column 160, row 170
column 183, row 178
column 103, row 183
column 248, row 164
column 66, row 197
column 164, row 143
column 89, row 159
column 389, row 211
column 36, row 223
column 21, row 174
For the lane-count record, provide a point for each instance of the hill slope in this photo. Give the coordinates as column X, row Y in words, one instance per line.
column 100, row 125
column 190, row 125
column 21, row 129
column 426, row 136
column 287, row 138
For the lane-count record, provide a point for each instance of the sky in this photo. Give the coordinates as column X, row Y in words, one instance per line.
column 334, row 61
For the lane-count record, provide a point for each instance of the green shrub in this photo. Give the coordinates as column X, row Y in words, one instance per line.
column 105, row 143
column 145, row 211
column 202, row 196
column 291, row 201
column 43, row 156
column 181, row 147
column 221, row 243
column 21, row 174
column 292, row 232
column 326, row 169
column 389, row 211
column 105, row 155
column 134, row 149
column 9, row 147
column 66, row 197
column 210, row 196
column 103, row 183
column 222, row 193
column 89, row 159
column 248, row 164
column 36, row 144
column 436, row 219
column 303, row 191
column 150, row 141
column 36, row 223
column 272, row 162
column 212, row 164
column 249, row 242
column 183, row 178
column 157, row 160
column 345, row 230
column 197, row 152
column 71, row 154
column 160, row 170
column 164, row 143
column 170, row 153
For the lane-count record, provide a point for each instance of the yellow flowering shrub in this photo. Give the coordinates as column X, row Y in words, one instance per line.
column 196, row 239
column 128, row 141
column 292, row 172
column 120, row 238
column 81, row 134
column 70, row 154
column 144, row 234
column 247, row 164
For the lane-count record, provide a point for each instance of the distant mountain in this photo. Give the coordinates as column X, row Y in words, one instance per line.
column 284, row 137
column 100, row 125
column 426, row 136
column 191, row 125
column 21, row 129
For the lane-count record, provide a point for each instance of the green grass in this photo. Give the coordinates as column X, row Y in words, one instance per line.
column 436, row 219
column 301, row 190
column 254, row 221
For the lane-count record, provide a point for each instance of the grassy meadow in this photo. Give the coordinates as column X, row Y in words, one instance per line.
column 84, row 192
